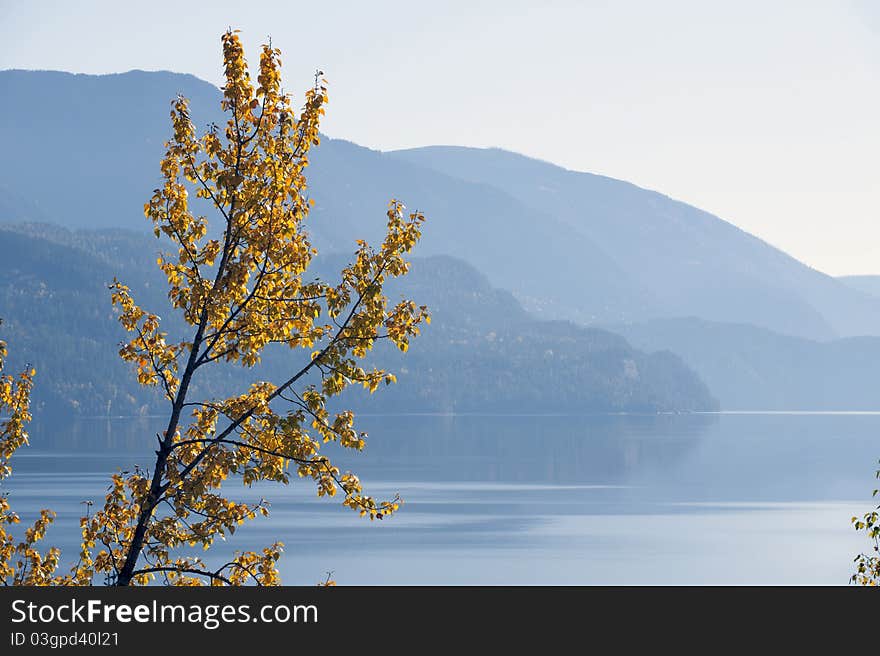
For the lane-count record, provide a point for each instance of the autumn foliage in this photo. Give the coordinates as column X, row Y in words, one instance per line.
column 21, row 561
column 868, row 564
column 241, row 285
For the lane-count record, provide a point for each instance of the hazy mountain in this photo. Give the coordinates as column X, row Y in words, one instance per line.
column 482, row 351
column 16, row 208
column 84, row 152
column 485, row 353
column 85, row 149
column 541, row 260
column 95, row 164
column 866, row 284
column 750, row 368
column 692, row 263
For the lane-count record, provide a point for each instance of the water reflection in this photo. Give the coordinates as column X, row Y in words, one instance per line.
column 562, row 499
column 553, row 449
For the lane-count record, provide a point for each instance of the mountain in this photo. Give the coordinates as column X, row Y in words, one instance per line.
column 85, row 149
column 481, row 353
column 102, row 158
column 568, row 245
column 751, row 368
column 541, row 260
column 691, row 262
column 865, row 284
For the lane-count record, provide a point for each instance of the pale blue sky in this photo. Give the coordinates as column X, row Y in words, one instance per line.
column 765, row 113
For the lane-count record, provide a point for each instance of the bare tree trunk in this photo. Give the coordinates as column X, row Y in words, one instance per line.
column 149, row 503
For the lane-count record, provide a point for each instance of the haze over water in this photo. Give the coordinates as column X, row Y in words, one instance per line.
column 654, row 499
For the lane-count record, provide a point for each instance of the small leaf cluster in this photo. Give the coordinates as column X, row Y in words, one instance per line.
column 868, row 564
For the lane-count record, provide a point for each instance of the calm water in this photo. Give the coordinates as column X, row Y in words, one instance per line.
column 740, row 499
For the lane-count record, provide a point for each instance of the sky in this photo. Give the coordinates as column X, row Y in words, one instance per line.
column 764, row 113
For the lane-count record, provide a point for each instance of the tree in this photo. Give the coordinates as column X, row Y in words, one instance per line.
column 240, row 289
column 21, row 562
column 868, row 565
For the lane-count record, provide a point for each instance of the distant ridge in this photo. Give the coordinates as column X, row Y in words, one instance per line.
column 691, row 262
column 750, row 368
column 481, row 353
column 867, row 284
column 84, row 153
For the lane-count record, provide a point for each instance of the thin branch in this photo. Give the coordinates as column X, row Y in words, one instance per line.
column 183, row 570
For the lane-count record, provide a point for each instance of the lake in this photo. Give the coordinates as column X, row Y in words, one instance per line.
column 669, row 499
